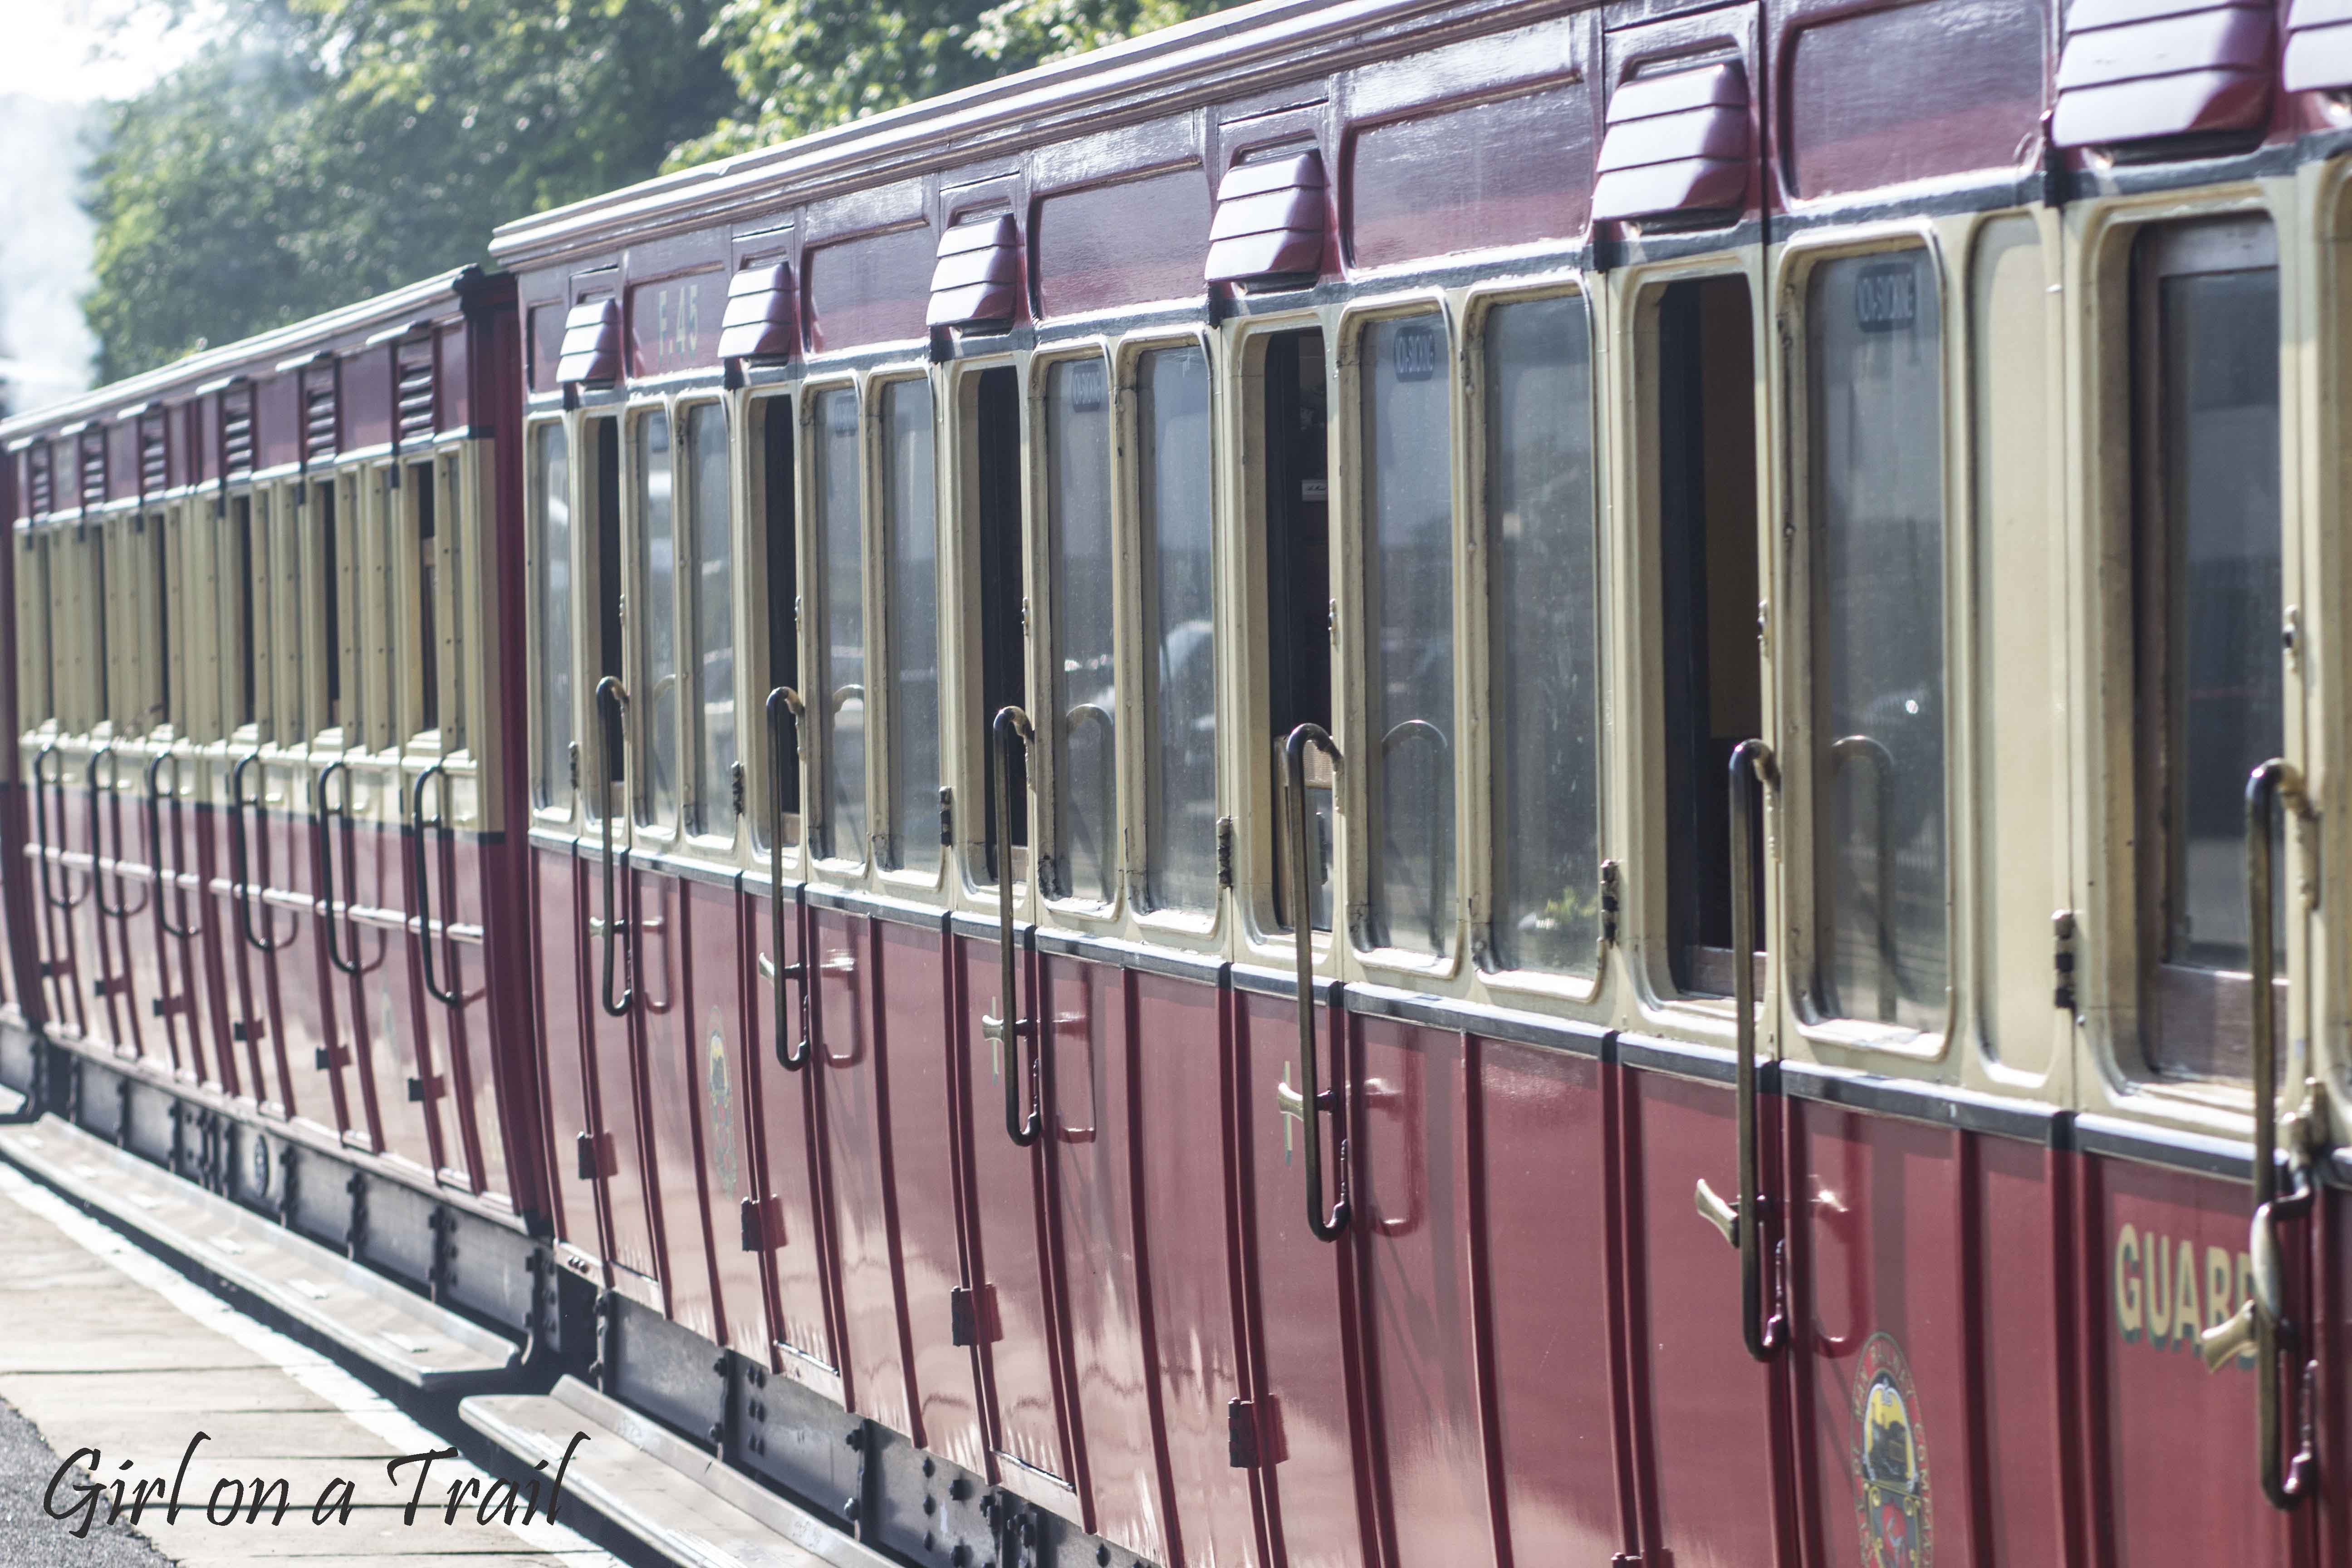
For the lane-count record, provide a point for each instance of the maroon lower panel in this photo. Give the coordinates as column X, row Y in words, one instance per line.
column 1182, row 1084
column 1302, row 1309
column 875, row 1358
column 724, row 1086
column 1416, row 1222
column 665, row 1019
column 1542, row 1159
column 1703, row 1412
column 618, row 1093
column 557, row 910
column 794, row 1163
column 1095, row 1130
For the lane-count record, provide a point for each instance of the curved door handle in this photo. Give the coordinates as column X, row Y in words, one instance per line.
column 241, row 889
column 791, row 1026
column 2263, row 1323
column 187, row 930
column 110, row 791
column 615, row 928
column 1311, row 1101
column 1007, row 1028
column 45, row 780
column 453, row 994
column 322, row 820
column 1743, row 1222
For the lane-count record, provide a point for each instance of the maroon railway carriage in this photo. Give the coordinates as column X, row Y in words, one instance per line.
column 262, row 686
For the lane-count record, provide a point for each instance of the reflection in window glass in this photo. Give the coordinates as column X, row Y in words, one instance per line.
column 913, row 626
column 1877, row 553
column 1180, row 672
column 552, row 781
column 1078, row 502
column 1409, row 594
column 1543, row 593
column 838, row 705
column 656, row 611
column 713, row 591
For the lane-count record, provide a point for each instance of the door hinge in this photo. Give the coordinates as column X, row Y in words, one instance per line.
column 947, row 816
column 597, row 1162
column 1225, row 852
column 421, row 1090
column 246, row 1029
column 1607, row 901
column 326, row 1059
column 971, row 1316
column 763, row 1224
column 735, row 784
column 113, row 986
column 572, row 748
column 1253, row 1433
column 2061, row 959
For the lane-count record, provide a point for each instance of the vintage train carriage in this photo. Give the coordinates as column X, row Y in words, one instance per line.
column 1485, row 417
column 262, row 681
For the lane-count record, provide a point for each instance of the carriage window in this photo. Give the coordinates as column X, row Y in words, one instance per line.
column 912, row 626
column 429, row 594
column 1544, row 599
column 606, row 516
column 1706, row 559
column 655, row 609
column 295, row 611
column 1878, row 567
column 712, row 589
column 250, row 671
column 1085, row 593
column 1004, row 676
column 2211, row 691
column 342, row 583
column 1180, row 664
column 158, row 621
column 783, row 592
column 1409, row 598
column 1298, row 599
column 840, row 707
column 330, row 584
column 35, row 682
column 101, row 647
column 552, row 460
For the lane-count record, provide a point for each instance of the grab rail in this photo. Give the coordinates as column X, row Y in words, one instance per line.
column 1009, row 1028
column 119, row 910
column 795, row 1055
column 44, row 781
column 321, row 817
column 2262, row 1322
column 241, row 891
column 1743, row 1222
column 188, row 930
column 455, row 996
column 615, row 927
column 1309, row 1103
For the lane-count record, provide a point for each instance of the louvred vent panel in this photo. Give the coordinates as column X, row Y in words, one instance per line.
column 237, row 434
column 763, row 319
column 978, row 275
column 92, row 461
column 415, row 392
column 1677, row 143
column 319, row 421
column 1270, row 220
column 154, row 455
column 41, row 481
column 2136, row 70
column 2318, row 45
column 591, row 343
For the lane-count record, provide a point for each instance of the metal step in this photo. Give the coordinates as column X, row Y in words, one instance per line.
column 377, row 1320
column 655, row 1486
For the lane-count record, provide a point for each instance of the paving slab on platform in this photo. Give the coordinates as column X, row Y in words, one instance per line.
column 104, row 1346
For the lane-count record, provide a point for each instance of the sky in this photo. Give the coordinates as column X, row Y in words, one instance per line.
column 63, row 58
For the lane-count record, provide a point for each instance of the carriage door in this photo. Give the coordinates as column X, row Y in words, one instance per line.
column 610, row 1152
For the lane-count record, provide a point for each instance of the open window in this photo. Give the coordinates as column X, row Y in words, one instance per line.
column 773, row 419
column 605, row 587
column 423, row 506
column 992, row 419
column 1294, row 416
column 243, row 557
column 1706, row 385
column 2209, row 696
column 333, row 529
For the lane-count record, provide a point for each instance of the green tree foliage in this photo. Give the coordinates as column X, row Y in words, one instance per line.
column 803, row 65
column 331, row 149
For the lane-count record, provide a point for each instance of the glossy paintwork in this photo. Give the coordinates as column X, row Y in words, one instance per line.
column 796, row 1173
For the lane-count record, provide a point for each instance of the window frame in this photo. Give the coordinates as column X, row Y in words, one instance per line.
column 754, row 652
column 881, row 629
column 967, row 733
column 573, row 767
column 817, row 740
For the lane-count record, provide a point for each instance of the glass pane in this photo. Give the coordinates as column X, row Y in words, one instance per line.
column 838, row 705
column 654, row 607
column 1877, row 551
column 1544, row 600
column 552, row 784
column 713, row 588
column 913, row 627
column 1408, row 593
column 2218, row 448
column 1180, row 671
column 1086, row 752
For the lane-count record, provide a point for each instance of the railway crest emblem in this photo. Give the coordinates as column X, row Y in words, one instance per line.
column 1890, row 1460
